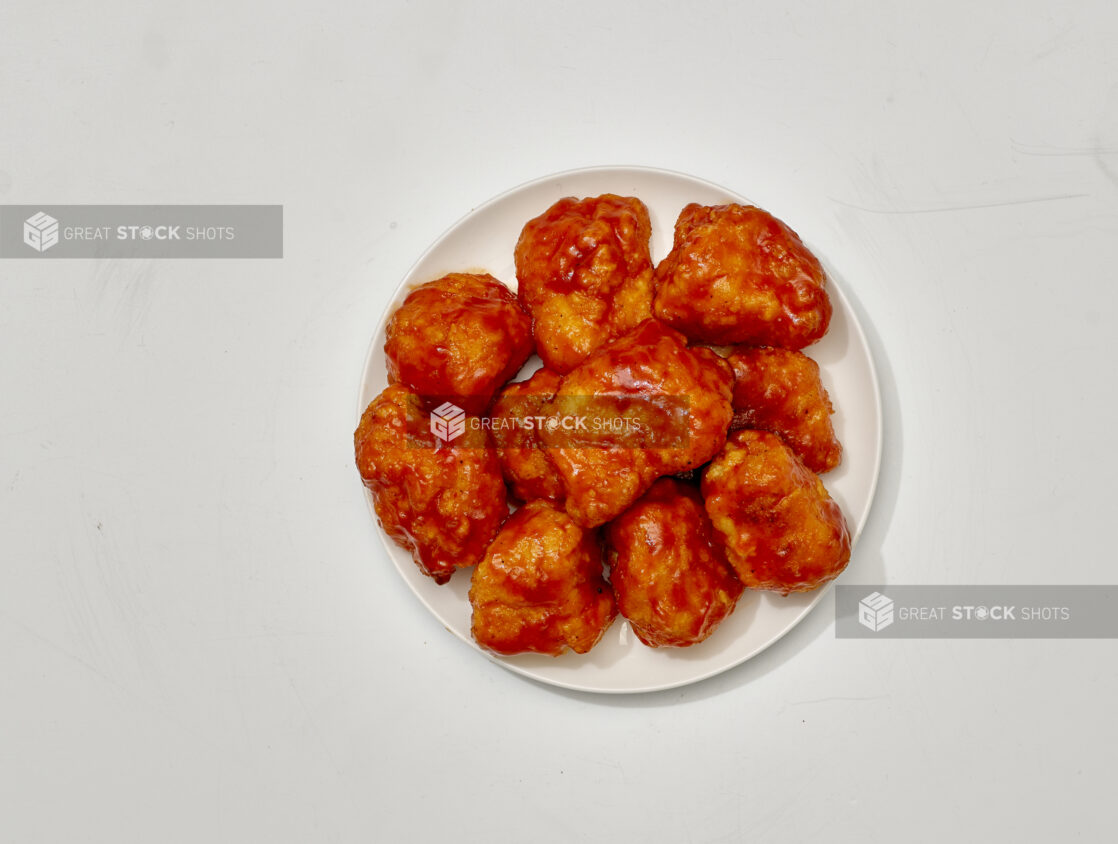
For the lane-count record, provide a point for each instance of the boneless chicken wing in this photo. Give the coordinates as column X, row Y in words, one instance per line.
column 780, row 390
column 515, row 419
column 458, row 339
column 540, row 587
column 585, row 274
column 736, row 274
column 670, row 576
column 442, row 502
column 651, row 407
column 780, row 528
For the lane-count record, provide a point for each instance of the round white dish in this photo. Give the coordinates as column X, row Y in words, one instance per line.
column 483, row 240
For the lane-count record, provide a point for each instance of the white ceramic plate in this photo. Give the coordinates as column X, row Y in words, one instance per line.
column 483, row 241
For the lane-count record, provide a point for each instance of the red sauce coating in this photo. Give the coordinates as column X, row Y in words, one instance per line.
column 585, row 275
column 442, row 502
column 670, row 576
column 524, row 461
column 737, row 274
column 540, row 586
column 458, row 338
column 780, row 390
column 780, row 528
column 650, row 361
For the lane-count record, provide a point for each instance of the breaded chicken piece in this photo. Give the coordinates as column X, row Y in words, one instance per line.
column 540, row 587
column 515, row 427
column 780, row 390
column 781, row 529
column 585, row 275
column 458, row 338
column 677, row 399
column 736, row 274
column 669, row 575
column 444, row 504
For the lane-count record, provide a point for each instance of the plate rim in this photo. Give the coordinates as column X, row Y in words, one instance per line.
column 858, row 332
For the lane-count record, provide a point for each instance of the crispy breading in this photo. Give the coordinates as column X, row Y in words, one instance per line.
column 443, row 502
column 737, row 274
column 780, row 390
column 669, row 574
column 780, row 527
column 678, row 399
column 540, row 586
column 585, row 274
column 516, row 434
column 458, row 338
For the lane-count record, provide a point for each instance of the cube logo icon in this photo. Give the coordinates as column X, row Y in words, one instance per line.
column 875, row 611
column 448, row 421
column 40, row 231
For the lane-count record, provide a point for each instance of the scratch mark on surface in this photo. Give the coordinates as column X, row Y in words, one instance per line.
column 1093, row 150
column 967, row 207
column 1053, row 44
column 54, row 646
column 836, row 697
column 311, row 722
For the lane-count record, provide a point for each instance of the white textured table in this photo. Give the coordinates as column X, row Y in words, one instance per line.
column 200, row 638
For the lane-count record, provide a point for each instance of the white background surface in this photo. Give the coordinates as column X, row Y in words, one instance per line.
column 200, row 637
